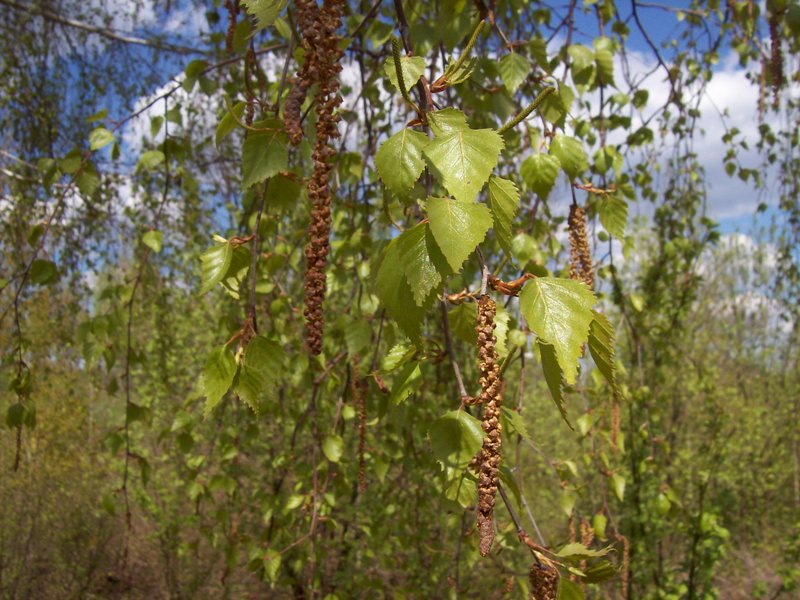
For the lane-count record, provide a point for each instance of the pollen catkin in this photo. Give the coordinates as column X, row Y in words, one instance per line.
column 233, row 12
column 544, row 580
column 776, row 63
column 581, row 267
column 626, row 555
column 491, row 397
column 322, row 54
column 359, row 400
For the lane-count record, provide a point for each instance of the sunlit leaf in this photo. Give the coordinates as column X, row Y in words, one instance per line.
column 514, row 69
column 559, row 311
column 217, row 378
column 264, row 154
column 455, row 438
column 539, row 172
column 463, row 159
column 153, row 240
column 458, row 227
column 399, row 159
column 412, row 67
column 100, row 138
column 265, row 11
column 570, row 154
column 613, row 212
column 504, row 203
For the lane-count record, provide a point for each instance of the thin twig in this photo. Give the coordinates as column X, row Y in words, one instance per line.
column 448, row 341
column 101, row 31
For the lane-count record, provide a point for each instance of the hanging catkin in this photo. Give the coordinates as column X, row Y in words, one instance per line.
column 360, row 405
column 233, row 11
column 491, row 398
column 581, row 267
column 544, row 580
column 776, row 62
column 322, row 54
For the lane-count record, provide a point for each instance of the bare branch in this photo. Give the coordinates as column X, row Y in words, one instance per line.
column 101, row 31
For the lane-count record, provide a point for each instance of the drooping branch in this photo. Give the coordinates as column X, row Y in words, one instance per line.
column 105, row 32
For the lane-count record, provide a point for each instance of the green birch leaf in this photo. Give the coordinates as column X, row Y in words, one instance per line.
column 582, row 57
column 272, row 565
column 217, row 377
column 516, row 423
column 263, row 360
column 264, row 154
column 463, row 159
column 559, row 311
column 135, row 412
column 228, row 123
column 604, row 60
column 460, row 487
column 601, row 571
column 265, row 11
column 538, row 48
column 569, row 590
column 237, row 270
column 151, row 159
column 422, row 261
column 577, row 551
column 571, row 154
column 214, row 265
column 618, row 485
column 504, row 203
column 406, row 382
column 456, row 438
column 399, row 160
column 446, row 121
column 556, row 107
column 514, row 69
column 100, row 138
column 458, row 227
column 153, row 240
column 43, row 272
column 583, row 70
column 454, row 75
column 601, row 346
column 396, row 295
column 613, row 212
column 333, row 447
column 412, row 67
column 553, row 376
column 87, row 180
column 539, row 172
column 501, row 321
column 462, row 320
column 637, row 301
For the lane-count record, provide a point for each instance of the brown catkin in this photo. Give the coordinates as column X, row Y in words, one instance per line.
column 491, row 397
column 776, row 62
column 233, row 12
column 543, row 578
column 322, row 54
column 587, row 537
column 581, row 267
column 626, row 555
column 360, row 405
